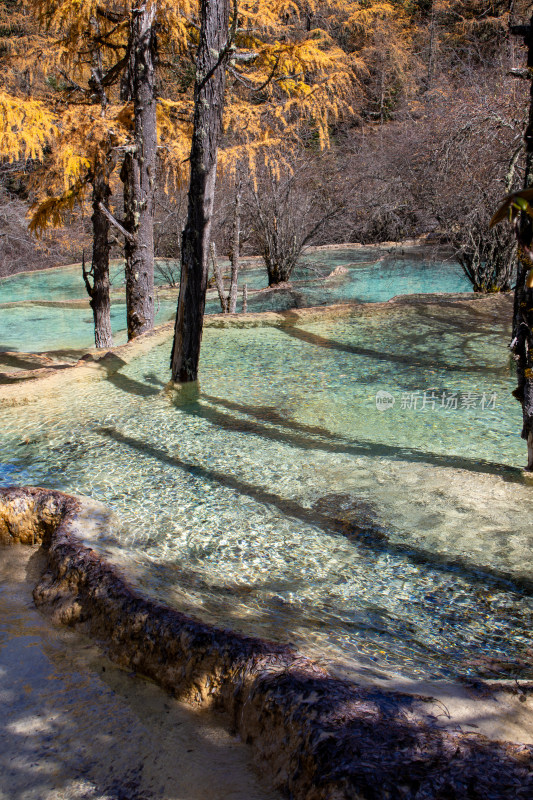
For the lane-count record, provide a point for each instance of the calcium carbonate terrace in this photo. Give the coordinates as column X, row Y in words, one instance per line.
column 346, row 479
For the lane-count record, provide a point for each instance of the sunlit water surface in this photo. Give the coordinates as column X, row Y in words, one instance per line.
column 280, row 501
column 30, row 322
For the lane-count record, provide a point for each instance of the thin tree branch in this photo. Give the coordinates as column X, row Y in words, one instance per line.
column 248, row 83
column 111, row 16
column 111, row 74
column 107, row 213
column 87, row 274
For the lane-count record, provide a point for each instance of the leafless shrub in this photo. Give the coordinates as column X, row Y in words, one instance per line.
column 443, row 173
column 488, row 258
column 20, row 251
column 169, row 221
column 286, row 212
column 168, row 269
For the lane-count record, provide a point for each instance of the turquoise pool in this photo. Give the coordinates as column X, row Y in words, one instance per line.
column 283, row 497
column 29, row 322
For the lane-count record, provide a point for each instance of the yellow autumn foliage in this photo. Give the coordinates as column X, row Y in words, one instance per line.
column 51, row 213
column 83, row 137
column 26, row 126
column 283, row 81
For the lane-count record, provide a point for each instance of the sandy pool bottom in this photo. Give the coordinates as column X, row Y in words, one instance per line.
column 75, row 727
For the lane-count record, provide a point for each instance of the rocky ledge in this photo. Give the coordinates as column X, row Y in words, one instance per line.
column 319, row 737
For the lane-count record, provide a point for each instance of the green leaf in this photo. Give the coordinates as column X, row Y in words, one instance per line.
column 513, row 204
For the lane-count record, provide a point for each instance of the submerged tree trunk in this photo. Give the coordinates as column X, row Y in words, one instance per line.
column 99, row 272
column 138, row 175
column 209, row 87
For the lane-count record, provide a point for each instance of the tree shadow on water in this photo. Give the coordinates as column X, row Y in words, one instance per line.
column 291, row 329
column 367, row 536
column 294, row 436
column 130, row 385
column 189, row 403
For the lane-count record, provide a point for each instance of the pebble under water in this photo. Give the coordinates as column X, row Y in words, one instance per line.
column 276, row 498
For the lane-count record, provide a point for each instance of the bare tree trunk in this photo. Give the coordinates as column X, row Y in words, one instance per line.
column 99, row 291
column 245, row 298
column 526, row 233
column 235, row 251
column 522, row 344
column 138, row 175
column 219, row 280
column 213, row 51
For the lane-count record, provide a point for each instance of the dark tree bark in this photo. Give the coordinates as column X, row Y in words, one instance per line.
column 213, row 52
column 525, row 223
column 522, row 344
column 138, row 173
column 99, row 291
column 99, row 178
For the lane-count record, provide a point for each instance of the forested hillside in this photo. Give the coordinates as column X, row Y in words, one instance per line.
column 376, row 121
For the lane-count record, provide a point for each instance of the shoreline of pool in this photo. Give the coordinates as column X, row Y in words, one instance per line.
column 317, row 736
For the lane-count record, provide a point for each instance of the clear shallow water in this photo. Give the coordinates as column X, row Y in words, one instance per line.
column 66, row 283
column 33, row 328
column 372, row 283
column 280, row 501
column 61, row 283
column 371, row 277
